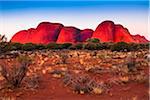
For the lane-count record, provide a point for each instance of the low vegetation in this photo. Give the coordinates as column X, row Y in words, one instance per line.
column 15, row 74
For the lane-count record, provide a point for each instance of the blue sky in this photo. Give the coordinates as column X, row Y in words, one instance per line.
column 19, row 15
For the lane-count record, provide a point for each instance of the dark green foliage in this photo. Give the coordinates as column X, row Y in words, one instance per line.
column 143, row 46
column 77, row 46
column 106, row 45
column 89, row 46
column 93, row 40
column 16, row 46
column 120, row 46
column 28, row 46
column 64, row 46
column 52, row 46
column 40, row 46
column 4, row 47
column 92, row 46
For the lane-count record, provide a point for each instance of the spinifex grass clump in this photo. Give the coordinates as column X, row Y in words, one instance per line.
column 84, row 84
column 16, row 74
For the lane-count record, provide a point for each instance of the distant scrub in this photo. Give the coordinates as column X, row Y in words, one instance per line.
column 93, row 40
column 28, row 46
column 120, row 46
column 77, row 46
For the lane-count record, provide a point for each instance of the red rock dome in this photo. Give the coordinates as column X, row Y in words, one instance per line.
column 47, row 32
column 105, row 31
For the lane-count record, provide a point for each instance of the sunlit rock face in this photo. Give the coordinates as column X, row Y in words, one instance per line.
column 47, row 32
column 122, row 34
column 44, row 33
column 105, row 31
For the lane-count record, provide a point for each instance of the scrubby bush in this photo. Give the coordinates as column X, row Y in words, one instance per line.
column 92, row 46
column 83, row 84
column 89, row 46
column 52, row 46
column 4, row 47
column 64, row 45
column 120, row 46
column 28, row 46
column 40, row 46
column 16, row 46
column 106, row 45
column 144, row 46
column 15, row 75
column 93, row 40
column 77, row 46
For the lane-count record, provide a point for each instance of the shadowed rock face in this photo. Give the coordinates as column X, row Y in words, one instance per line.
column 47, row 32
column 69, row 34
column 85, row 34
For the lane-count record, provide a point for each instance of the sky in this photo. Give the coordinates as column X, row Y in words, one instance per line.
column 22, row 15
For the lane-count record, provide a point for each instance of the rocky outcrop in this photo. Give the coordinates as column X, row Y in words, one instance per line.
column 47, row 32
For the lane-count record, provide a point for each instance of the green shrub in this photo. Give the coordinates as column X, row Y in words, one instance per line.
column 4, row 47
column 93, row 40
column 89, row 46
column 143, row 46
column 77, row 46
column 28, row 46
column 92, row 46
column 40, row 46
column 52, row 46
column 120, row 46
column 16, row 46
column 64, row 45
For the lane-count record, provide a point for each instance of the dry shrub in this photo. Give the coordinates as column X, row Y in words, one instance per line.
column 16, row 74
column 84, row 84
